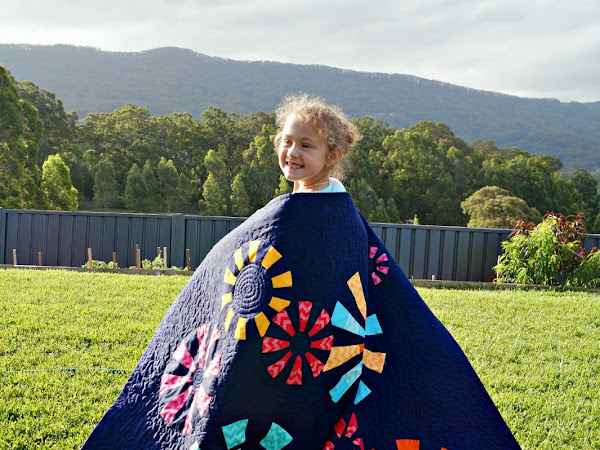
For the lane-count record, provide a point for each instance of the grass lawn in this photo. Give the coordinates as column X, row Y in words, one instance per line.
column 68, row 341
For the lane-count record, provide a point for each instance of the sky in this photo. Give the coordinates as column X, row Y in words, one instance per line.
column 529, row 48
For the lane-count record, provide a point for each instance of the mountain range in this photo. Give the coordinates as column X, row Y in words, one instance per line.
column 169, row 79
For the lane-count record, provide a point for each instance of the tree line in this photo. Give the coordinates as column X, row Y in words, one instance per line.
column 225, row 164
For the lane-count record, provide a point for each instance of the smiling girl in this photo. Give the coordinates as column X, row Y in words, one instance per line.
column 313, row 138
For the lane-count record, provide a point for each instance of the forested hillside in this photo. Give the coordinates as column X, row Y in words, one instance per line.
column 225, row 164
column 170, row 80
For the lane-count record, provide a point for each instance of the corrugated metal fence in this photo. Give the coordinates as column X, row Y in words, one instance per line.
column 423, row 251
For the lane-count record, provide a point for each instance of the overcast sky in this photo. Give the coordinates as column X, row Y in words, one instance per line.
column 530, row 48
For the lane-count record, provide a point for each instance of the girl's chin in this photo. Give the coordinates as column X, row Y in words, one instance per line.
column 290, row 175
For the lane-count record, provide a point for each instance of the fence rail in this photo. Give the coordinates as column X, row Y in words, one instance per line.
column 63, row 237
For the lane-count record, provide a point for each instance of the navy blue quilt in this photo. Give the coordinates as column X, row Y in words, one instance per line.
column 299, row 331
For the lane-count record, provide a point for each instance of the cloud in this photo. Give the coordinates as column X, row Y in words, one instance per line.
column 539, row 48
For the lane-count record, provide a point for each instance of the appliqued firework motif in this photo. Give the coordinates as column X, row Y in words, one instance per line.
column 378, row 265
column 252, row 288
column 339, row 355
column 412, row 444
column 312, row 339
column 235, row 436
column 346, row 431
column 187, row 384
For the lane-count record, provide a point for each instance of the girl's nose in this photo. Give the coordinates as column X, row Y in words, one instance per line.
column 293, row 150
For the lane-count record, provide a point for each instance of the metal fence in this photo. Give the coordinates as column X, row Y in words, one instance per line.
column 62, row 238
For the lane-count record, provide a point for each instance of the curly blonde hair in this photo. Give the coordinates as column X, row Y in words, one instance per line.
column 331, row 122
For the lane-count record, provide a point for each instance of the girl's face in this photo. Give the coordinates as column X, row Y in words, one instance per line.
column 304, row 156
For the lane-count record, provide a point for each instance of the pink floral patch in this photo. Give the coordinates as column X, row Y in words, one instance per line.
column 380, row 265
column 186, row 386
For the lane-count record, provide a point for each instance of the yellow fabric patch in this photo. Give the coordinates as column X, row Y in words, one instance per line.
column 374, row 360
column 228, row 318
column 240, row 329
column 357, row 291
column 271, row 258
column 229, row 277
column 283, row 280
column 239, row 258
column 253, row 250
column 339, row 355
column 262, row 323
column 278, row 303
column 225, row 299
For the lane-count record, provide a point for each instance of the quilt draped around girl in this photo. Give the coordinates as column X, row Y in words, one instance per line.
column 299, row 331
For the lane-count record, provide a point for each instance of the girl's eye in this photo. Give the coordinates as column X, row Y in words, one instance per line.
column 306, row 145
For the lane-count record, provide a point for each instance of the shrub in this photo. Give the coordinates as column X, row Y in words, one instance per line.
column 588, row 272
column 548, row 253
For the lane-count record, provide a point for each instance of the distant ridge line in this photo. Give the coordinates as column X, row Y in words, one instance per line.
column 173, row 79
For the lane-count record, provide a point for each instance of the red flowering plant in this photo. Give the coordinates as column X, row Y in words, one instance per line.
column 547, row 253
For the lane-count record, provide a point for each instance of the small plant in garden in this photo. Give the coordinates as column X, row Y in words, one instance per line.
column 156, row 263
column 548, row 253
column 101, row 265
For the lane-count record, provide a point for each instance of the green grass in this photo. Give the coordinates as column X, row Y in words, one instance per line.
column 537, row 352
column 52, row 320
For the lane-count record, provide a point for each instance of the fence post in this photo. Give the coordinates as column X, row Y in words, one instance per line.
column 138, row 257
column 177, row 240
column 2, row 235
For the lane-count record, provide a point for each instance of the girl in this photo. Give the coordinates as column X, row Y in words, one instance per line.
column 287, row 337
column 313, row 138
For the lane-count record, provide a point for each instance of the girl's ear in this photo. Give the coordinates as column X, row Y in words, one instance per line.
column 334, row 156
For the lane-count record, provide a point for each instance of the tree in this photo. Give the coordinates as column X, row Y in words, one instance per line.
column 215, row 201
column 284, row 186
column 419, row 179
column 494, row 207
column 168, row 182
column 10, row 171
column 182, row 139
column 153, row 199
column 585, row 183
column 20, row 134
column 532, row 178
column 587, row 186
column 217, row 192
column 59, row 127
column 240, row 202
column 379, row 214
column 124, row 137
column 392, row 210
column 361, row 162
column 57, row 186
column 261, row 168
column 595, row 228
column 136, row 190
column 105, row 184
column 364, row 197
